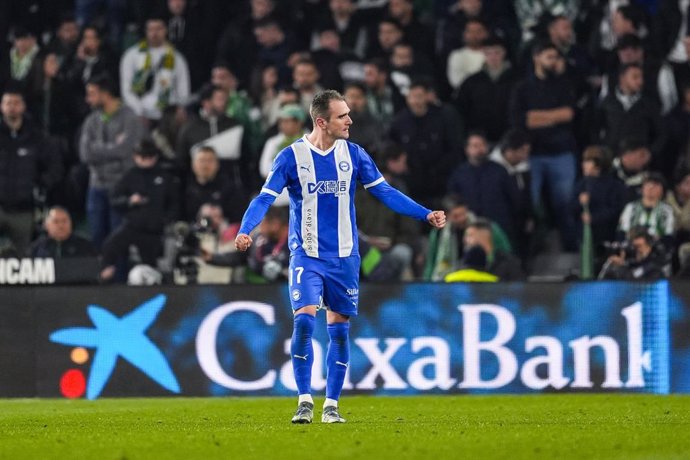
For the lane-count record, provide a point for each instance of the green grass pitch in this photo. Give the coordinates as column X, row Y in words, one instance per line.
column 607, row 426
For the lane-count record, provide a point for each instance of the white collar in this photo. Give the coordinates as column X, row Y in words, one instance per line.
column 323, row 153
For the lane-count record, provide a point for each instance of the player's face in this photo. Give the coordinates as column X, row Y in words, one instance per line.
column 338, row 124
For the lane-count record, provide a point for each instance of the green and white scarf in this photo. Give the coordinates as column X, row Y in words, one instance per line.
column 144, row 78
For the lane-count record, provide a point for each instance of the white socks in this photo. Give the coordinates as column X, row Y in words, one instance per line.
column 305, row 398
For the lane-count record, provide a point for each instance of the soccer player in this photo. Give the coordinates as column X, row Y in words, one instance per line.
column 320, row 171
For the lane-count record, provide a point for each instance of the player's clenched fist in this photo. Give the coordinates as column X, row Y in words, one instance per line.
column 242, row 242
column 437, row 219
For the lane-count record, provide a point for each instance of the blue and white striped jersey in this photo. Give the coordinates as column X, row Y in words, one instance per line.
column 321, row 185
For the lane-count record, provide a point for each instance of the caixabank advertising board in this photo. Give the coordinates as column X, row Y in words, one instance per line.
column 407, row 339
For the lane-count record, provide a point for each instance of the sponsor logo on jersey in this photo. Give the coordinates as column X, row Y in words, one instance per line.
column 328, row 187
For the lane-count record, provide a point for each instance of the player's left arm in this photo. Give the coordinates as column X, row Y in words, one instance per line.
column 402, row 204
column 373, row 181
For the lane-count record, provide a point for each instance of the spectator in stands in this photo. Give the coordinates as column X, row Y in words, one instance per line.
column 504, row 265
column 365, row 129
column 658, row 80
column 628, row 112
column 645, row 260
column 631, row 165
column 237, row 44
column 207, row 126
column 185, row 31
column 211, row 233
column 389, row 34
column 599, row 197
column 446, row 246
column 413, row 31
column 290, row 128
column 676, row 156
column 470, row 58
column 543, row 104
column 273, row 46
column 59, row 241
column 154, row 75
column 383, row 98
column 669, row 32
column 55, row 103
column 148, row 197
column 431, row 145
column 115, row 11
column 66, row 38
column 107, row 139
column 330, row 59
column 21, row 64
column 472, row 268
column 91, row 58
column 391, row 234
column 513, row 154
column 305, row 76
column 487, row 187
column 679, row 200
column 28, row 160
column 530, row 13
column 208, row 185
column 579, row 65
column 239, row 106
column 650, row 211
column 350, row 26
column 268, row 258
column 483, row 97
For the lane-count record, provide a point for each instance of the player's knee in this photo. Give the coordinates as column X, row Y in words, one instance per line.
column 339, row 332
column 304, row 326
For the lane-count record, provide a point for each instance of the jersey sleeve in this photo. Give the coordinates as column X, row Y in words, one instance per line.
column 367, row 174
column 277, row 179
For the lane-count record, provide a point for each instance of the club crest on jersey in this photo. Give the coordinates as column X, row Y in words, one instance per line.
column 344, row 166
column 324, row 187
column 296, row 295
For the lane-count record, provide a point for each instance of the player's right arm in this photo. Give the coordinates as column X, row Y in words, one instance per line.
column 275, row 182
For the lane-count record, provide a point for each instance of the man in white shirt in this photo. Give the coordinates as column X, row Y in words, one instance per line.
column 153, row 74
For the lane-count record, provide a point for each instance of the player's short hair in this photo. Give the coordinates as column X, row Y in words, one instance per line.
column 320, row 104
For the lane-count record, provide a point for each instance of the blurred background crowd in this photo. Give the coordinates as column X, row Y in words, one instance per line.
column 554, row 133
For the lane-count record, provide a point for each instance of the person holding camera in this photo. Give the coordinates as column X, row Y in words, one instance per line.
column 640, row 258
column 268, row 258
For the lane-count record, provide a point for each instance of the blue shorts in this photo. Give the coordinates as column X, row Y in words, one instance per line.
column 332, row 282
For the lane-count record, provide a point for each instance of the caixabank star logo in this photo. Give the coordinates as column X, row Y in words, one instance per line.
column 112, row 338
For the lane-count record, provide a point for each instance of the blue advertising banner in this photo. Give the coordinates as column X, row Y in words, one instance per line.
column 407, row 339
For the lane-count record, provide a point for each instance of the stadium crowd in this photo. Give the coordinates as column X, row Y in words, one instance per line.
column 555, row 134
